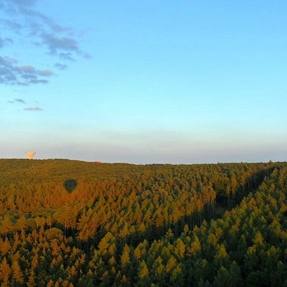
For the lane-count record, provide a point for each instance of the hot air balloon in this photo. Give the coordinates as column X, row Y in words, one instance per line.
column 30, row 155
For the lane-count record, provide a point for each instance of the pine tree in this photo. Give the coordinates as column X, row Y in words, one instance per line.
column 143, row 272
column 17, row 272
column 4, row 246
column 125, row 258
column 171, row 264
column 31, row 280
column 180, row 248
column 5, row 272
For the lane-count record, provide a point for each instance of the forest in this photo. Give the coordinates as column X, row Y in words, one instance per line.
column 72, row 223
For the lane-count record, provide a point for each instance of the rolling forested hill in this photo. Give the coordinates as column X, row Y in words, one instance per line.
column 71, row 223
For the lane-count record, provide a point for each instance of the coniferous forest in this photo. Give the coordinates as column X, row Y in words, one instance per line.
column 72, row 223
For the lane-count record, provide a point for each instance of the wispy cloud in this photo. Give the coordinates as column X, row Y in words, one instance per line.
column 58, row 44
column 5, row 41
column 13, row 73
column 33, row 109
column 60, row 66
column 17, row 101
column 28, row 107
column 22, row 19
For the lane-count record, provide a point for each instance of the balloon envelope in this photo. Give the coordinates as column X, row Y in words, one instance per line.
column 30, row 154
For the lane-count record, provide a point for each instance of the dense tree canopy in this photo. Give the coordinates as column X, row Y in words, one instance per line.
column 69, row 223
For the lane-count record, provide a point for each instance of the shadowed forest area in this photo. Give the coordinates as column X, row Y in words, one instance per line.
column 72, row 223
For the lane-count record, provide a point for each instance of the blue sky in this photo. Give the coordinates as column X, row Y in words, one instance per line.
column 144, row 81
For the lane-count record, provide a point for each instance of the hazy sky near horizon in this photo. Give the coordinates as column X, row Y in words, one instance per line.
column 144, row 81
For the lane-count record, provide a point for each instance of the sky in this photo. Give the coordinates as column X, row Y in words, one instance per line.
column 148, row 81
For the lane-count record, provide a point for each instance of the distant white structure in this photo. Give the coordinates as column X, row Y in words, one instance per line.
column 30, row 154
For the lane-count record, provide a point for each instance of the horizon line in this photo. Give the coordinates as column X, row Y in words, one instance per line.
column 146, row 163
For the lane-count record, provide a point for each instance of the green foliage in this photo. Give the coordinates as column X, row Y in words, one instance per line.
column 133, row 225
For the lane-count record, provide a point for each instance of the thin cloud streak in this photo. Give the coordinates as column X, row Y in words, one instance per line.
column 33, row 109
column 17, row 101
